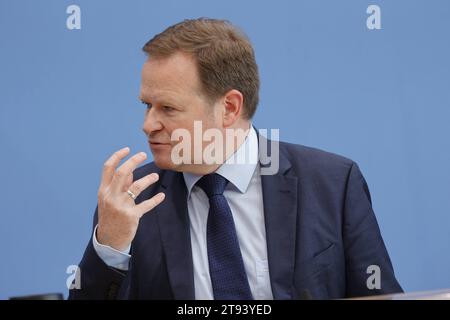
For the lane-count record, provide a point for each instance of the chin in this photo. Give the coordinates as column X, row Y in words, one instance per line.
column 167, row 164
column 164, row 162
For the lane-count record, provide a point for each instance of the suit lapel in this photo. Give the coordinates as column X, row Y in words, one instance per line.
column 173, row 221
column 280, row 213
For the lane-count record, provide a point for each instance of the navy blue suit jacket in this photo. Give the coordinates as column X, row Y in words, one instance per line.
column 321, row 231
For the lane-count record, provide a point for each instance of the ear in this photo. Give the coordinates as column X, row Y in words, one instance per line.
column 233, row 104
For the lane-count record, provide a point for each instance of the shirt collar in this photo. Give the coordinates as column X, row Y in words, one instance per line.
column 238, row 168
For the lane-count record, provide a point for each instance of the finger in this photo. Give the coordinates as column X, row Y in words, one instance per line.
column 149, row 204
column 128, row 182
column 140, row 185
column 118, row 183
column 110, row 165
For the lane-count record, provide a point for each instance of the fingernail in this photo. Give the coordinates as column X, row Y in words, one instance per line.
column 142, row 155
column 155, row 176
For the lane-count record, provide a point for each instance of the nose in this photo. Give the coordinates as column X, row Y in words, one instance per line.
column 151, row 122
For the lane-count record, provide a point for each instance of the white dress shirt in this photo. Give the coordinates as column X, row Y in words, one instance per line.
column 244, row 195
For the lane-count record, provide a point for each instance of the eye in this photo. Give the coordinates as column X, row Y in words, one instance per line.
column 149, row 105
column 168, row 109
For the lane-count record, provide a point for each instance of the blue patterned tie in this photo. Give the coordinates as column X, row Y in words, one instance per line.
column 226, row 267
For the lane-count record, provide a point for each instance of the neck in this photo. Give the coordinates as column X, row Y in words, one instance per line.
column 232, row 142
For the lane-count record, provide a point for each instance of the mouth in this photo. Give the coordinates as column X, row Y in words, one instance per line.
column 154, row 144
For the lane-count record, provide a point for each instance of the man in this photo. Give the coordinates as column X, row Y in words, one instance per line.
column 202, row 229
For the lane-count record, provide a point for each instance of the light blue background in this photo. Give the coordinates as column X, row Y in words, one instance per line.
column 68, row 99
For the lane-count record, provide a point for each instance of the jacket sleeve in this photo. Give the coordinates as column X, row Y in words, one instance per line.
column 369, row 269
column 97, row 280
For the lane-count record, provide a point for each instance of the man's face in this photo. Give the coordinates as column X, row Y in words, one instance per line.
column 171, row 88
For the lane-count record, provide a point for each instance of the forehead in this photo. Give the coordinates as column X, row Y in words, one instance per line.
column 175, row 75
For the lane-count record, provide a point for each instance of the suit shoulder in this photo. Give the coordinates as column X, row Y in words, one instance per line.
column 314, row 158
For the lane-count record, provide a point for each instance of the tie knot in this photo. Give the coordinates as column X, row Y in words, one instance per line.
column 212, row 184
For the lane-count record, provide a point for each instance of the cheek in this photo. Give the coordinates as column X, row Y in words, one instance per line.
column 187, row 121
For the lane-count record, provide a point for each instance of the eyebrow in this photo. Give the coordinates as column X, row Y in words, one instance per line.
column 167, row 100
